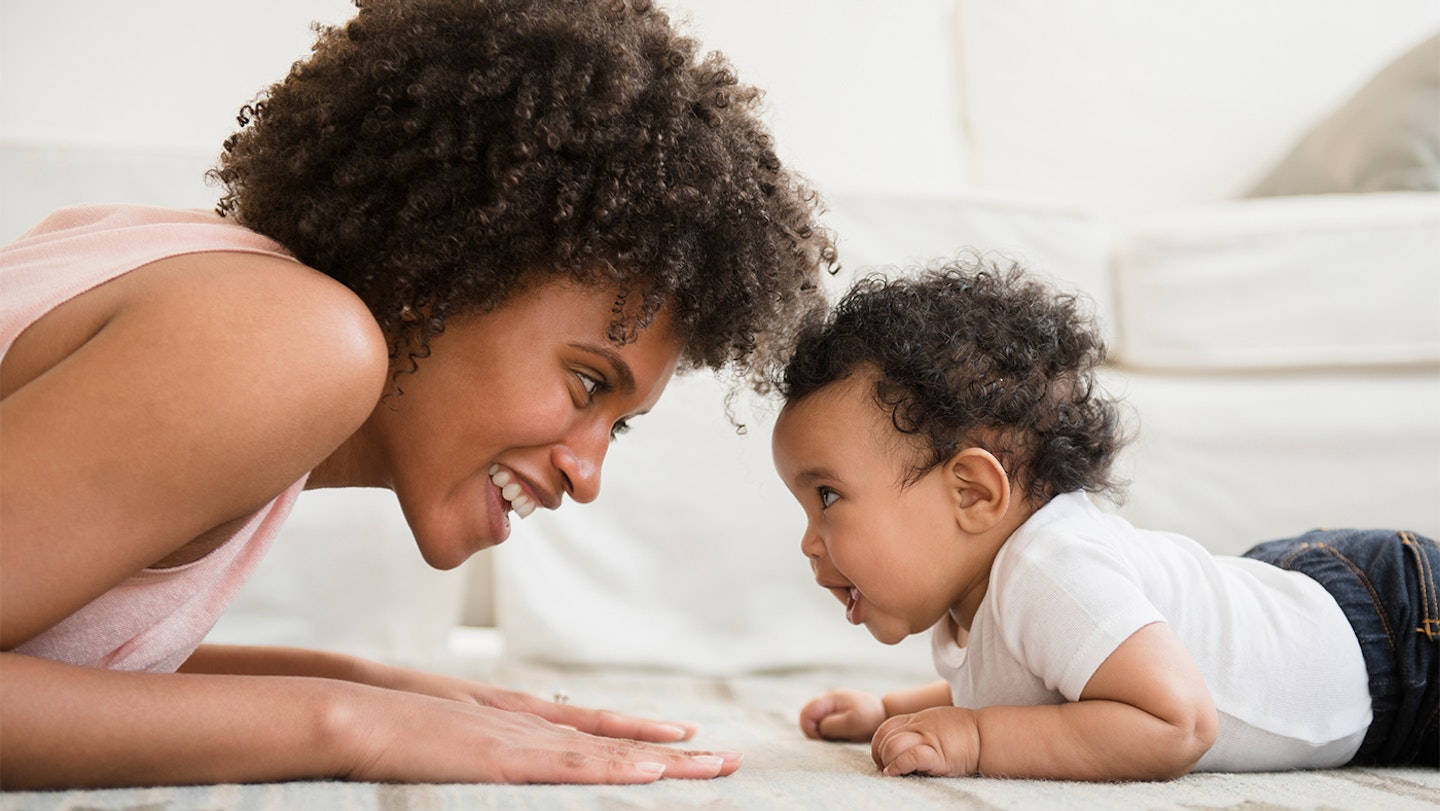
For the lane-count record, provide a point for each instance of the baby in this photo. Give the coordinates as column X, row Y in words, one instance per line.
column 942, row 433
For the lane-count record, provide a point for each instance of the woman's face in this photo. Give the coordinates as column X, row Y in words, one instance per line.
column 513, row 410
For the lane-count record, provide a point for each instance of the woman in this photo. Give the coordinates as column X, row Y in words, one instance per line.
column 462, row 245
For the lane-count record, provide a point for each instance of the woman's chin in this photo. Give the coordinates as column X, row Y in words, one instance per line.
column 447, row 550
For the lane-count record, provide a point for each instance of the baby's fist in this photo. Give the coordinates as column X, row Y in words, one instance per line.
column 843, row 715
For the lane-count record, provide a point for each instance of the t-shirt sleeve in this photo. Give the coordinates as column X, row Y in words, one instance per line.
column 1064, row 604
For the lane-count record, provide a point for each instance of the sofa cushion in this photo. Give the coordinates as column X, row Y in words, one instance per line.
column 1384, row 138
column 1282, row 283
column 1235, row 459
column 1134, row 105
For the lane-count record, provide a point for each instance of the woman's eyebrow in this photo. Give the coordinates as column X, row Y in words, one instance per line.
column 624, row 378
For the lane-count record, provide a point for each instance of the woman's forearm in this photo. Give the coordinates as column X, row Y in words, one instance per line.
column 62, row 725
column 256, row 660
column 68, row 726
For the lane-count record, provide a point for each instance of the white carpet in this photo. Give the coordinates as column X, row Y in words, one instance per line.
column 782, row 770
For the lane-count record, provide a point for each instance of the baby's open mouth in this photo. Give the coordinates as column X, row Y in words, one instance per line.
column 852, row 605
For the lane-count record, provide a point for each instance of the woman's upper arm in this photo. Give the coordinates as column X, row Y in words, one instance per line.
column 212, row 382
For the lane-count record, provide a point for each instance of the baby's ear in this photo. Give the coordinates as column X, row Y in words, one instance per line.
column 980, row 489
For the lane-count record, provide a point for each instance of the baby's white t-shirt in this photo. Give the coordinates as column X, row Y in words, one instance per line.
column 1073, row 582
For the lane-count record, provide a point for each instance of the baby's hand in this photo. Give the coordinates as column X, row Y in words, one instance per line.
column 843, row 715
column 940, row 741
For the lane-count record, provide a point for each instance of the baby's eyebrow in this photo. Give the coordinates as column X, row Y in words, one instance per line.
column 625, row 379
column 809, row 476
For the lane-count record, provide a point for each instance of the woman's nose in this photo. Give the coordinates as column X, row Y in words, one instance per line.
column 579, row 461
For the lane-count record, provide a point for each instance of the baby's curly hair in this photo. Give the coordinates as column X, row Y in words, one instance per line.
column 974, row 354
column 433, row 155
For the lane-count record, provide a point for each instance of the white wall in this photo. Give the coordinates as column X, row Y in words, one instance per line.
column 104, row 101
column 145, row 74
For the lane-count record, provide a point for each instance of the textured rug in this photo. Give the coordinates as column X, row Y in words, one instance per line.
column 782, row 770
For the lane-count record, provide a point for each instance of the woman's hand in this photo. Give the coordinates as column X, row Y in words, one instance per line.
column 843, row 715
column 278, row 661
column 591, row 721
column 398, row 736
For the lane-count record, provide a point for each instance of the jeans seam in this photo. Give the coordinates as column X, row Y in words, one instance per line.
column 1429, row 621
column 1360, row 575
column 1287, row 561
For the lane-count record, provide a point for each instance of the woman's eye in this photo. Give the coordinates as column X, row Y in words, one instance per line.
column 827, row 497
column 619, row 428
column 591, row 384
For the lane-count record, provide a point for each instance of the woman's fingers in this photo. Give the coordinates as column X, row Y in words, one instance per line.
column 410, row 737
column 609, row 762
column 613, row 724
column 616, row 725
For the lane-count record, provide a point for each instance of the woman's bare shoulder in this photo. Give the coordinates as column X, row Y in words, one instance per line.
column 147, row 412
column 274, row 304
column 254, row 343
column 256, row 303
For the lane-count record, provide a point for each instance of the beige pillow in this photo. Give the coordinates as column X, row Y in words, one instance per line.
column 1384, row 138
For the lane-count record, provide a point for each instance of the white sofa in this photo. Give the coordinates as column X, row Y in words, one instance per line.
column 1281, row 354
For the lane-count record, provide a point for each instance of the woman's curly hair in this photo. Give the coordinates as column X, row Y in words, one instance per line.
column 973, row 354
column 432, row 155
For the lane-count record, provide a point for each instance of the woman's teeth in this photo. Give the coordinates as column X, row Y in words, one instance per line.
column 512, row 492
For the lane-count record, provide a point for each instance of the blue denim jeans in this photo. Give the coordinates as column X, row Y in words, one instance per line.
column 1386, row 584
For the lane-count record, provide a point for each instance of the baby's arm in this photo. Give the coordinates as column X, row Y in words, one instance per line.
column 853, row 715
column 1145, row 714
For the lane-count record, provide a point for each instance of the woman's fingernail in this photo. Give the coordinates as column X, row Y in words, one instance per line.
column 648, row 767
column 678, row 733
column 730, row 757
column 709, row 761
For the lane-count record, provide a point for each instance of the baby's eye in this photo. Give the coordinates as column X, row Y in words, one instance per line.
column 827, row 497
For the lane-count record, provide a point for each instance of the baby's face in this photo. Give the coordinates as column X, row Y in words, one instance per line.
column 892, row 553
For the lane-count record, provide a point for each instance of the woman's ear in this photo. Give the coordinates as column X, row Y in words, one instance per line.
column 980, row 489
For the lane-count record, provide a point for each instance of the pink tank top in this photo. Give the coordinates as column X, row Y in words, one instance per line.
column 157, row 618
